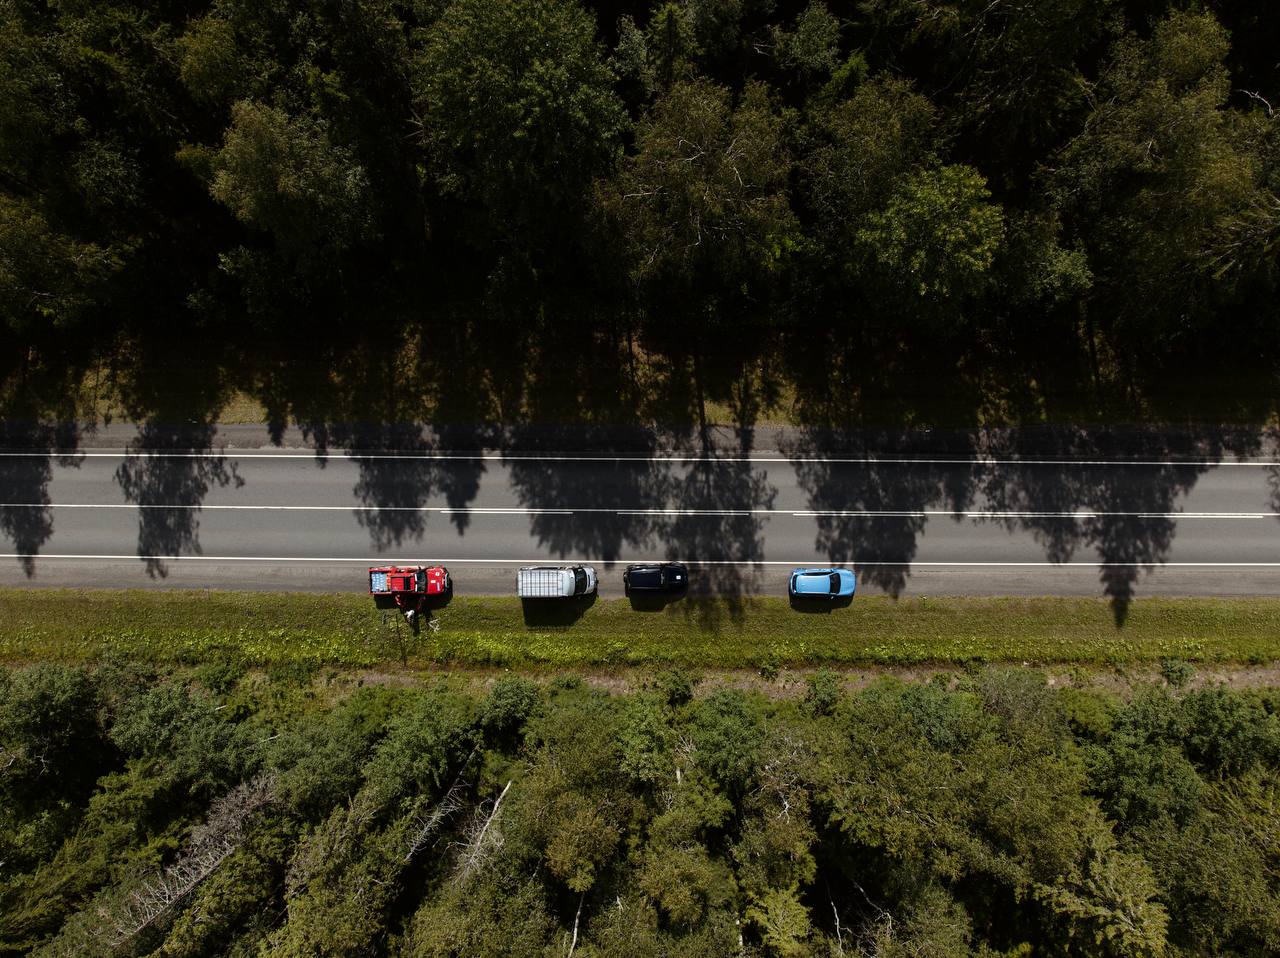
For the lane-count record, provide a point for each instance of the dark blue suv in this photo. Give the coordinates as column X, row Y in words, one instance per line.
column 656, row 577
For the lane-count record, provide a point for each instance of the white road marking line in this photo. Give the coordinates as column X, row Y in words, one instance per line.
column 543, row 560
column 243, row 454
column 796, row 513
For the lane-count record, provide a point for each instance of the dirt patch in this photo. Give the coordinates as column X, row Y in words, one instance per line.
column 793, row 683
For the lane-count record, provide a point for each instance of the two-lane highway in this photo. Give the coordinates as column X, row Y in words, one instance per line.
column 294, row 520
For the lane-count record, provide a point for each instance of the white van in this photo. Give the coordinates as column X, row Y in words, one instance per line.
column 555, row 581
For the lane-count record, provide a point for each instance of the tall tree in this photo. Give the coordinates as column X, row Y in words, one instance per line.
column 516, row 115
column 1153, row 175
column 704, row 209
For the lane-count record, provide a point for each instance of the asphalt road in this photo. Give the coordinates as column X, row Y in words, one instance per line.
column 290, row 520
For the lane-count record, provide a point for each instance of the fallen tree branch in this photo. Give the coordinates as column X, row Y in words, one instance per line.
column 212, row 843
column 485, row 839
column 446, row 808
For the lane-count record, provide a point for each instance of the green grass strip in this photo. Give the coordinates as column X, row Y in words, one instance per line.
column 345, row 630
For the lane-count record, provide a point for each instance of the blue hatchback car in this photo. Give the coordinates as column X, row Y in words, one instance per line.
column 822, row 583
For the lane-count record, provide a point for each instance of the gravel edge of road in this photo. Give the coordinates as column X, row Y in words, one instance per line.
column 1119, row 442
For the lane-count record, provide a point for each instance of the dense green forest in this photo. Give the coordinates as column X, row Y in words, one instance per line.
column 896, row 211
column 986, row 813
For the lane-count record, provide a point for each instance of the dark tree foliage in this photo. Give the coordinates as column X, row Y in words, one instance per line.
column 981, row 814
column 906, row 211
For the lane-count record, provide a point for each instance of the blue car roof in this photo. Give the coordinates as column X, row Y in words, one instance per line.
column 818, row 581
column 813, row 582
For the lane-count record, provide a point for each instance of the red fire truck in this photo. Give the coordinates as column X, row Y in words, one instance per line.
column 409, row 586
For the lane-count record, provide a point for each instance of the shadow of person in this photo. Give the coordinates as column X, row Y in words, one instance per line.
column 169, row 489
column 26, row 514
column 555, row 613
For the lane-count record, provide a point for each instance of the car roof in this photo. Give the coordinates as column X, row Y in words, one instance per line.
column 813, row 583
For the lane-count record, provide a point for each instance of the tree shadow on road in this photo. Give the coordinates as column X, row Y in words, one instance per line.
column 397, row 483
column 614, row 504
column 716, row 530
column 26, row 516
column 1086, row 500
column 875, row 512
column 1064, row 485
column 378, row 423
column 169, row 489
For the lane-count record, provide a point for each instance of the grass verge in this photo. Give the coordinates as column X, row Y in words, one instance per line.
column 345, row 630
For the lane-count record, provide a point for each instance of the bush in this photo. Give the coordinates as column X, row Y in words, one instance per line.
column 511, row 701
column 1177, row 672
column 823, row 694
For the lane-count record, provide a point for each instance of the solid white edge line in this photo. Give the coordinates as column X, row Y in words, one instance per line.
column 795, row 513
column 499, row 457
column 384, row 560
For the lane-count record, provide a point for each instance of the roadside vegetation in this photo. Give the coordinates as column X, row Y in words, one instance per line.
column 305, row 629
column 218, row 812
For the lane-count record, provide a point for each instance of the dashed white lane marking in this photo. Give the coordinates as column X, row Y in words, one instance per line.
column 798, row 513
column 304, row 454
column 385, row 560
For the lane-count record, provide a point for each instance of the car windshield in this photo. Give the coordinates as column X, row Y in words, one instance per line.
column 422, row 581
column 580, row 580
column 835, row 582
